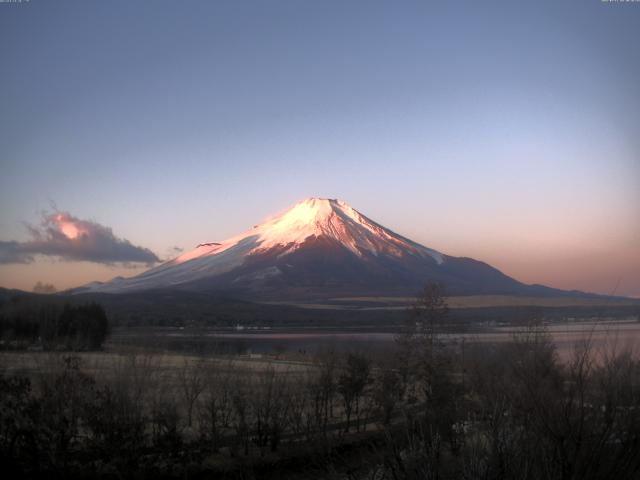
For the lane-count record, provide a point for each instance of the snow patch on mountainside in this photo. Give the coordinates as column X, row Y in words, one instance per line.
column 312, row 218
column 316, row 217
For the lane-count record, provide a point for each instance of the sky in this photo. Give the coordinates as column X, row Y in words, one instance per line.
column 504, row 131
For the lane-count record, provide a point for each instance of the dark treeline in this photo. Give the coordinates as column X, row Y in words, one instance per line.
column 510, row 411
column 50, row 324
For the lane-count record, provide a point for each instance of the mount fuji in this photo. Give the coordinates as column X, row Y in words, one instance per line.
column 319, row 248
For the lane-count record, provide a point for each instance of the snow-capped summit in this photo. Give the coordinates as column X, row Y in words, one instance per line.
column 314, row 218
column 317, row 246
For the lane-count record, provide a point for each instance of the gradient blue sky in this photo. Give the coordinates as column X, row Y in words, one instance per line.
column 506, row 131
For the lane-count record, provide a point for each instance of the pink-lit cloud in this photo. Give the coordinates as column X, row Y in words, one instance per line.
column 69, row 238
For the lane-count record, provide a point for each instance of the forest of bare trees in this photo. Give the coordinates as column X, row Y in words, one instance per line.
column 432, row 409
column 509, row 411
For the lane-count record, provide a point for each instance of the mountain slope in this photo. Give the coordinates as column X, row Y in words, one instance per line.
column 319, row 247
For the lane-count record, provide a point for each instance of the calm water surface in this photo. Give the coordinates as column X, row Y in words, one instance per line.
column 614, row 334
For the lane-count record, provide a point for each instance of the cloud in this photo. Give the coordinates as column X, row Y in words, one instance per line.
column 69, row 238
column 10, row 252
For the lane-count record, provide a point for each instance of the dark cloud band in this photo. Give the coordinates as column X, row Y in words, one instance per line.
column 62, row 235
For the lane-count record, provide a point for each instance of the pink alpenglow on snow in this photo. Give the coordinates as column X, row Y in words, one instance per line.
column 315, row 217
column 320, row 247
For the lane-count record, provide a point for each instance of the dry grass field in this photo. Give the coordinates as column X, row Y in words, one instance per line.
column 110, row 363
column 471, row 301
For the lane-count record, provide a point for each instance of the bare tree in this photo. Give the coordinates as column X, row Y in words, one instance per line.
column 351, row 384
column 192, row 382
column 430, row 310
column 324, row 389
column 241, row 415
column 385, row 393
column 304, row 401
column 216, row 408
column 270, row 405
column 417, row 343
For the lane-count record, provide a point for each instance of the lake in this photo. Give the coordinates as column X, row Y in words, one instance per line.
column 619, row 334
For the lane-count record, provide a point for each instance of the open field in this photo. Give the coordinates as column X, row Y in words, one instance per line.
column 471, row 301
column 120, row 360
